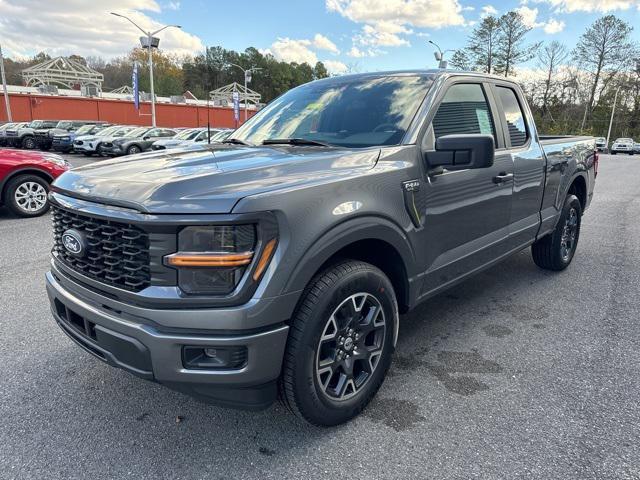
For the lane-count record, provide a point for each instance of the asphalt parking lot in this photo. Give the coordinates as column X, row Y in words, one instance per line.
column 517, row 373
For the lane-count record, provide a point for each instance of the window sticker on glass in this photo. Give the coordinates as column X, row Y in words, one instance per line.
column 483, row 122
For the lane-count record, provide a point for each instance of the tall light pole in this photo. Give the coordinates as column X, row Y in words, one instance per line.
column 4, row 87
column 613, row 111
column 149, row 42
column 247, row 79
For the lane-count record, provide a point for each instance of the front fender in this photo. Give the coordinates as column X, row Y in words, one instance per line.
column 345, row 234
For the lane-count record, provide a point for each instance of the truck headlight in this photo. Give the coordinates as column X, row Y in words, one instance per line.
column 211, row 260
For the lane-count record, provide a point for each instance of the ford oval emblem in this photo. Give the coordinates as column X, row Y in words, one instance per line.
column 73, row 242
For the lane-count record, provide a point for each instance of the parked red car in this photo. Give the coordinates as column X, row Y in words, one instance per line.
column 25, row 177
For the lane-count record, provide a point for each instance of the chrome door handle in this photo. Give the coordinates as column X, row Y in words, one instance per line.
column 503, row 177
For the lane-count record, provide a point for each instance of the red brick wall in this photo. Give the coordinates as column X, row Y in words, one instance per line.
column 43, row 107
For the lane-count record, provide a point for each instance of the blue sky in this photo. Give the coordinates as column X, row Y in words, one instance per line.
column 361, row 35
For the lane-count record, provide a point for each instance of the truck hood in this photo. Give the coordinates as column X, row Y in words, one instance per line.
column 210, row 180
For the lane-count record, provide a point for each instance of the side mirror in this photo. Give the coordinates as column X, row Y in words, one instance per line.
column 460, row 152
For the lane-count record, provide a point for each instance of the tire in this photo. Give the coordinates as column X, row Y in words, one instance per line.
column 320, row 330
column 28, row 143
column 16, row 196
column 133, row 149
column 88, row 154
column 614, row 153
column 554, row 251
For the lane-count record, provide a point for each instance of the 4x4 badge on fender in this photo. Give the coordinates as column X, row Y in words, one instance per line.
column 73, row 242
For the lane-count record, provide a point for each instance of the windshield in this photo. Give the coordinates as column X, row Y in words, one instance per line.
column 221, row 135
column 186, row 134
column 36, row 124
column 624, row 140
column 64, row 125
column 108, row 131
column 85, row 129
column 136, row 132
column 348, row 112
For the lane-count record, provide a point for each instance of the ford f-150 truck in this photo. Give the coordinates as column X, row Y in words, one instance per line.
column 279, row 262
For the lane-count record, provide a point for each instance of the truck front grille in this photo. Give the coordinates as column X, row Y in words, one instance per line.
column 116, row 253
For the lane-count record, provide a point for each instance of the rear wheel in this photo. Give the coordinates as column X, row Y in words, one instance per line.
column 556, row 250
column 26, row 196
column 340, row 344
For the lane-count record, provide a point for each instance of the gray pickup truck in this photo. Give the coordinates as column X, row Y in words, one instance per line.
column 279, row 262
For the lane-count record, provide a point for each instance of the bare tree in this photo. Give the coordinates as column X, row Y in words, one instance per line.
column 604, row 49
column 551, row 57
column 511, row 47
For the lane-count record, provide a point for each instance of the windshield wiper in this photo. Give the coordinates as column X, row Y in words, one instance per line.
column 294, row 141
column 235, row 141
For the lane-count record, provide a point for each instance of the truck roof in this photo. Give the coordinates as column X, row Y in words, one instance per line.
column 434, row 73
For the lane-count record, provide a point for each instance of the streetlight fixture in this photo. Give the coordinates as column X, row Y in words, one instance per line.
column 149, row 41
column 439, row 55
column 247, row 79
column 4, row 87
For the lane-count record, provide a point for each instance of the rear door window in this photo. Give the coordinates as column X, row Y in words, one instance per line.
column 514, row 116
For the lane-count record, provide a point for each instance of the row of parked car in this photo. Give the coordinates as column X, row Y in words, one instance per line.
column 100, row 138
column 26, row 173
column 620, row 145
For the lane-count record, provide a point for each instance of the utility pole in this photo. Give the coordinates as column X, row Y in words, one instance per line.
column 149, row 42
column 613, row 111
column 4, row 87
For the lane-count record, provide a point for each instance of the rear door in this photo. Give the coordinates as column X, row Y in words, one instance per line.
column 528, row 160
column 467, row 211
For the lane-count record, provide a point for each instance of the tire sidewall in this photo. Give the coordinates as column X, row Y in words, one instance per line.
column 29, row 143
column 310, row 398
column 570, row 202
column 10, row 199
column 133, row 150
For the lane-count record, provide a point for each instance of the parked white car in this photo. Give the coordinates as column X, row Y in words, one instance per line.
column 191, row 136
column 601, row 144
column 90, row 144
column 622, row 145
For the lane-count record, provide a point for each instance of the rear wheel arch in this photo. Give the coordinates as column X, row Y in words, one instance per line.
column 578, row 187
column 369, row 239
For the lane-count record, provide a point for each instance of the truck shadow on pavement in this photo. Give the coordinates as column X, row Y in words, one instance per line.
column 436, row 352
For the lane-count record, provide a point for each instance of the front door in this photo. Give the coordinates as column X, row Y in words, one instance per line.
column 467, row 211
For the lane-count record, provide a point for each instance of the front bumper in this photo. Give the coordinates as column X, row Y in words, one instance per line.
column 112, row 150
column 130, row 338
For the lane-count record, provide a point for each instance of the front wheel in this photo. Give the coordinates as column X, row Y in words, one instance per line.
column 26, row 196
column 133, row 149
column 29, row 143
column 340, row 343
column 556, row 250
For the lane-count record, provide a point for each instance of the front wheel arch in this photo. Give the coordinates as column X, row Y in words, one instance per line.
column 357, row 239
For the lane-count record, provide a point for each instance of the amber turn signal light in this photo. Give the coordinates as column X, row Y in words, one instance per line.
column 209, row 260
column 267, row 253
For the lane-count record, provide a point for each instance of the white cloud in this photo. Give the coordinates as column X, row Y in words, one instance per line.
column 601, row 6
column 554, row 26
column 355, row 52
column 323, row 43
column 488, row 10
column 298, row 51
column 334, row 66
column 85, row 28
column 173, row 5
column 387, row 22
column 530, row 17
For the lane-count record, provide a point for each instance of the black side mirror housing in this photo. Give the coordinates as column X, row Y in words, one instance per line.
column 460, row 152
